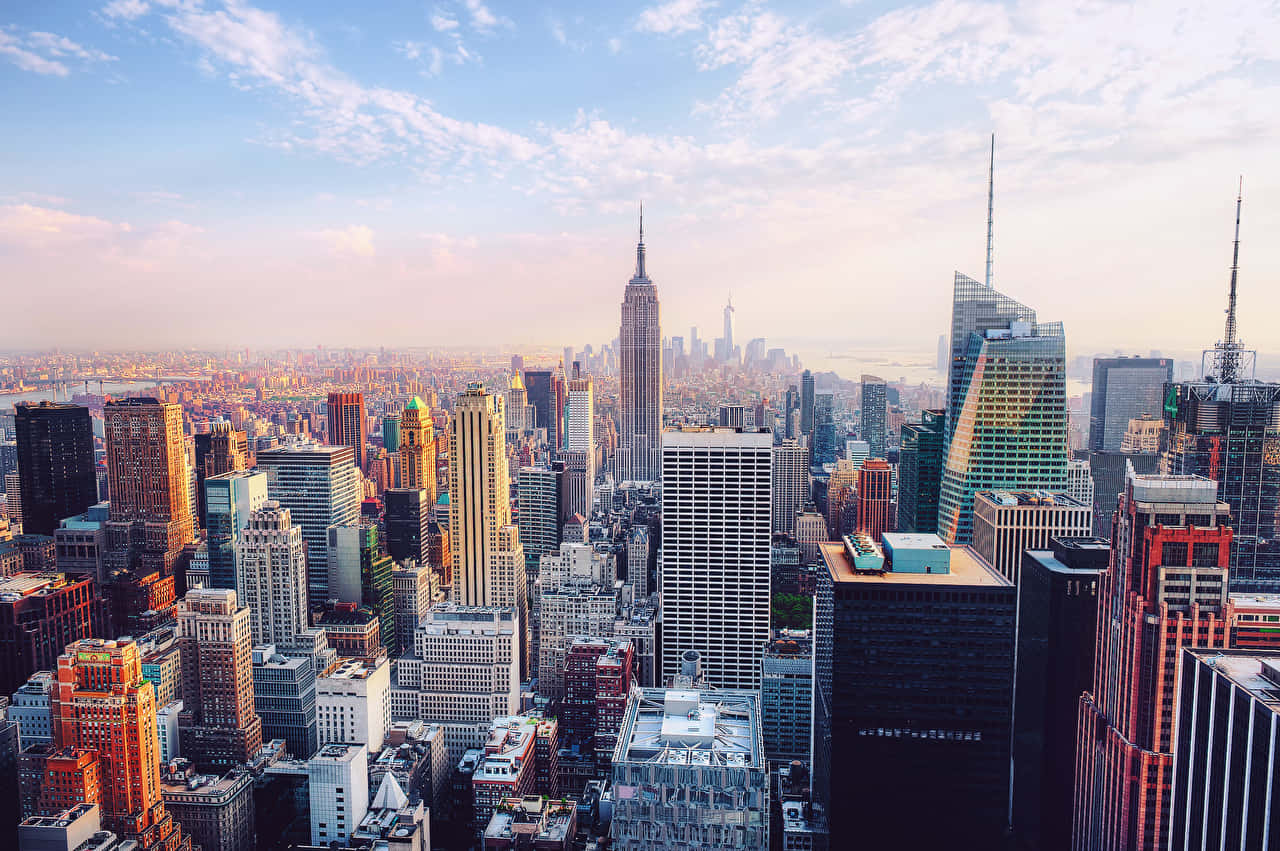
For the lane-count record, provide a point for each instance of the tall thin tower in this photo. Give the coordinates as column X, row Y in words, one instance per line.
column 991, row 206
column 640, row 341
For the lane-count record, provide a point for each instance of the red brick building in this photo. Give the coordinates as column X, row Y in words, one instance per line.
column 40, row 614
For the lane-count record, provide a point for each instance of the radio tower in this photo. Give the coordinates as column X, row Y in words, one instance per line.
column 1227, row 354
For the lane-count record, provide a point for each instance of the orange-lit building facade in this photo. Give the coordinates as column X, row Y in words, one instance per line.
column 1165, row 590
column 347, row 423
column 101, row 703
column 875, row 498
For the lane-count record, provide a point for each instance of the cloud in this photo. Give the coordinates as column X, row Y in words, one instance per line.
column 353, row 240
column 254, row 48
column 126, row 9
column 673, row 17
column 443, row 23
column 482, row 19
column 30, row 225
column 46, row 53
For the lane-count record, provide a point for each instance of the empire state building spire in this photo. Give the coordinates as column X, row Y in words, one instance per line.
column 640, row 276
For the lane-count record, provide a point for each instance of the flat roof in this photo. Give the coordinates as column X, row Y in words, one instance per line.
column 1049, row 561
column 693, row 728
column 1028, row 499
column 967, row 568
column 1257, row 672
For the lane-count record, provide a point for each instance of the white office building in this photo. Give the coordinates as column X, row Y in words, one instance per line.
column 30, row 707
column 716, row 509
column 338, row 787
column 271, row 575
column 790, row 484
column 353, row 703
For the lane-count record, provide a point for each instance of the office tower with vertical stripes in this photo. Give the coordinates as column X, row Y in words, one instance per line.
column 716, row 535
column 790, row 484
column 875, row 412
column 271, row 575
column 347, row 424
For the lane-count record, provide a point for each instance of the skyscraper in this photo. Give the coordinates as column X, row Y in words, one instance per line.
column 218, row 725
column 150, row 500
column 640, row 394
column 221, row 449
column 537, row 384
column 790, row 484
column 229, row 500
column 716, row 505
column 1226, row 427
column 418, row 449
column 1007, row 418
column 102, row 704
column 408, row 523
column 319, row 487
column 55, row 464
column 920, row 473
column 1166, row 589
column 346, row 423
column 360, row 573
column 1124, row 389
column 271, row 575
column 875, row 498
column 1008, row 523
column 579, row 447
column 875, row 411
column 727, row 340
column 539, row 500
column 806, row 405
column 823, row 445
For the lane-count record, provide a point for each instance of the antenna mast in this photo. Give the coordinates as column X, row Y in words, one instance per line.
column 991, row 197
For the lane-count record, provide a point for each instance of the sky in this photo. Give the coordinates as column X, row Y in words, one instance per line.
column 260, row 172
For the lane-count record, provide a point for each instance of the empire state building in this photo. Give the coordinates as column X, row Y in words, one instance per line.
column 639, row 456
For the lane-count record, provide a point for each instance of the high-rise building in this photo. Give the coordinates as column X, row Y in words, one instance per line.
column 1165, row 589
column 640, row 394
column 716, row 505
column 352, row 702
column 55, row 464
column 1057, row 616
column 13, row 498
column 464, row 671
column 824, row 446
column 875, row 498
column 1008, row 523
column 539, row 498
column 360, row 573
column 221, row 449
column 271, row 575
column 1124, row 389
column 790, row 484
column 519, row 412
column 229, row 500
column 488, row 561
column 347, row 424
column 578, row 450
column 151, row 512
column 391, row 432
column 875, row 411
column 415, row 585
column 1143, row 435
column 338, row 788
column 102, row 705
column 1080, row 480
column 537, row 384
column 320, row 488
column 1007, row 417
column 1224, row 781
column 408, row 523
column 728, row 331
column 920, row 473
column 284, row 696
column 638, row 561
column 568, row 610
column 418, row 449
column 786, row 697
column 913, row 656
column 1108, row 472
column 663, row 733
column 218, row 726
column 806, row 405
column 40, row 614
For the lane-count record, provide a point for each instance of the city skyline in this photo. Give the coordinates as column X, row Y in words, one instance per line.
column 288, row 149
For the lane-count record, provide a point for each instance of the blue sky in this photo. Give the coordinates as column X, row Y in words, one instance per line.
column 457, row 171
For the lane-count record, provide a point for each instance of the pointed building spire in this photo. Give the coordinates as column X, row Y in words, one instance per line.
column 640, row 274
column 1230, row 350
column 991, row 197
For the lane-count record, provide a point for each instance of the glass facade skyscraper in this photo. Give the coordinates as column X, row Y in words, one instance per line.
column 1007, row 423
column 229, row 500
column 920, row 473
column 1124, row 389
column 874, row 413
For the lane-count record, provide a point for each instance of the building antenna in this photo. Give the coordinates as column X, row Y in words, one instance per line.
column 991, row 198
column 1229, row 354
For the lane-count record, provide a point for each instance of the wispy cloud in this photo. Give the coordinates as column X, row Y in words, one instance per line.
column 674, row 17
column 126, row 9
column 46, row 53
column 353, row 240
column 483, row 19
column 443, row 23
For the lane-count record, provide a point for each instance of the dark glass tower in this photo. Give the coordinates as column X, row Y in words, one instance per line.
column 806, row 404
column 1124, row 389
column 408, row 521
column 537, row 383
column 920, row 473
column 874, row 413
column 55, row 464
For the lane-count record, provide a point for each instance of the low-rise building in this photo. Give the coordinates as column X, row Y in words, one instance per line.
column 532, row 823
column 217, row 811
column 284, row 696
column 30, row 708
column 352, row 702
column 786, row 696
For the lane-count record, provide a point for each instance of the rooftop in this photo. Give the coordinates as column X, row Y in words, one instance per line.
column 1024, row 499
column 356, row 669
column 1257, row 672
column 21, row 585
column 1173, row 489
column 967, row 569
column 695, row 728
